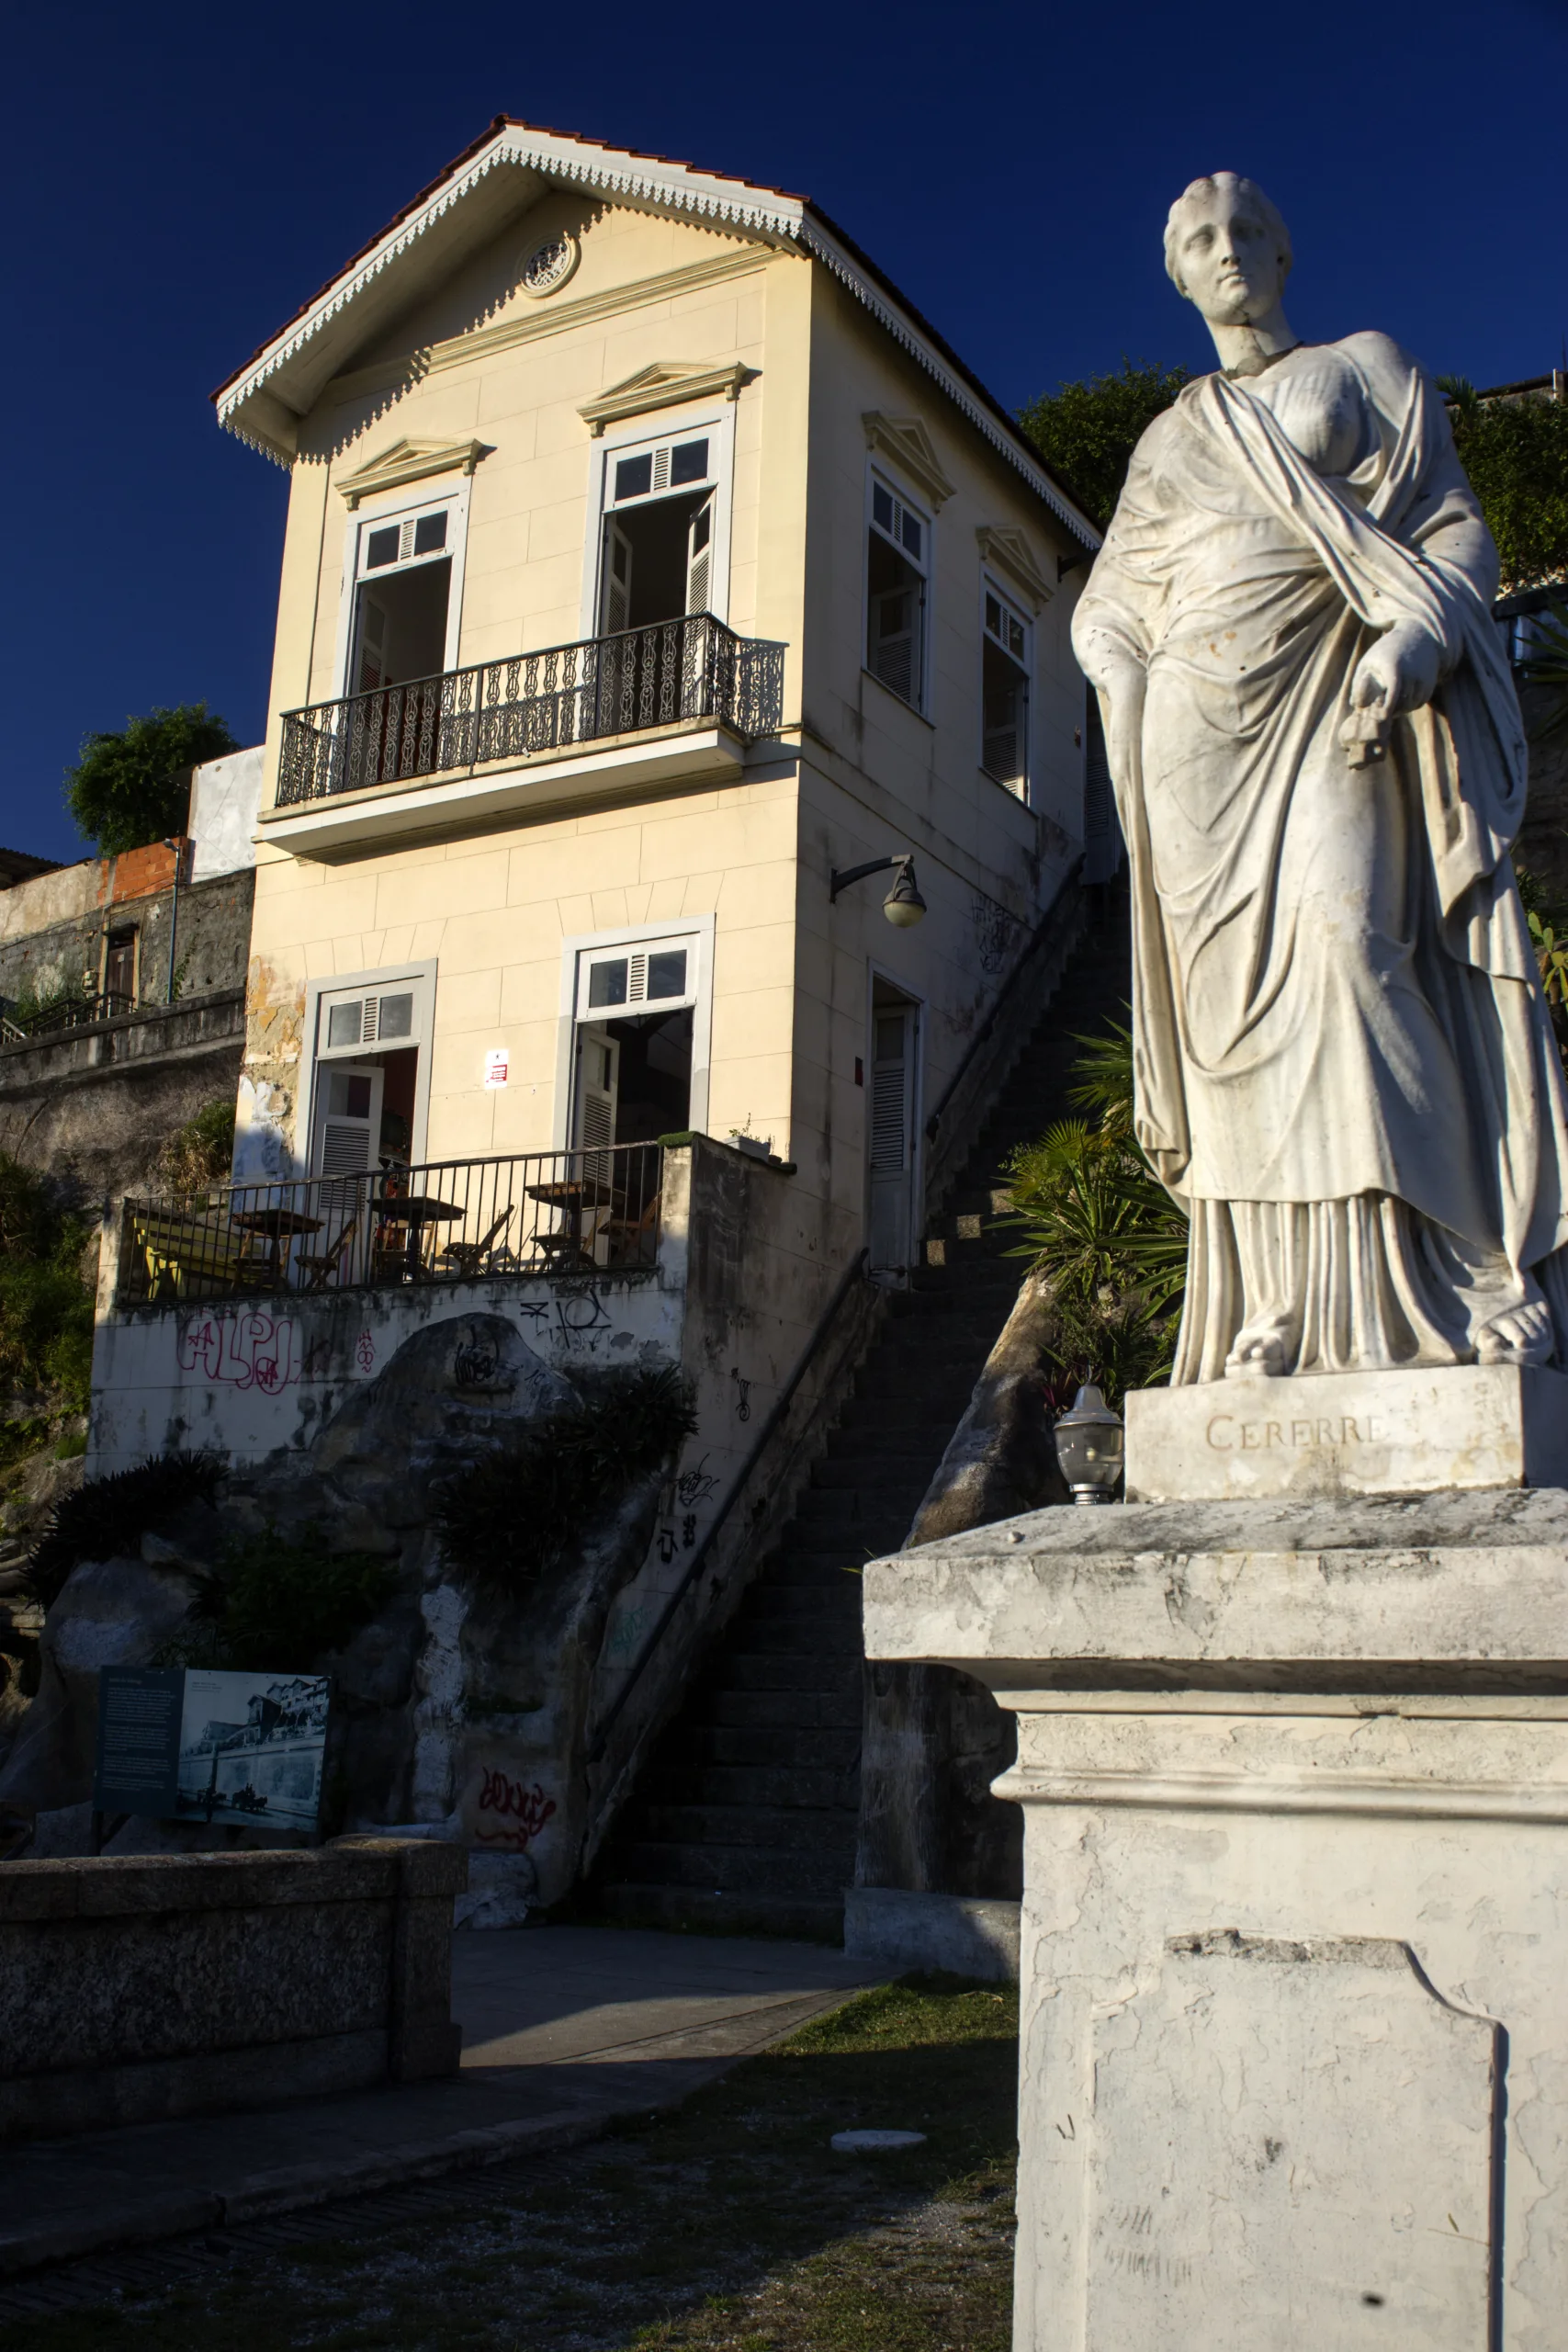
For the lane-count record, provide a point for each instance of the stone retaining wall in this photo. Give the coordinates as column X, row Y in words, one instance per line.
column 133, row 1990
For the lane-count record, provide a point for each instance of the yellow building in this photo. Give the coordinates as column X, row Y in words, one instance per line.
column 719, row 572
column 660, row 597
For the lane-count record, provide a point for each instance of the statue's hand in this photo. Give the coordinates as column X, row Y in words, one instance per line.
column 1399, row 672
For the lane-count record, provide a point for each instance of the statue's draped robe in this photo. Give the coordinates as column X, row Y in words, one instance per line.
column 1344, row 1066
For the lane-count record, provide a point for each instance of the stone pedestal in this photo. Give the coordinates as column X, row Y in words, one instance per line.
column 1294, row 1963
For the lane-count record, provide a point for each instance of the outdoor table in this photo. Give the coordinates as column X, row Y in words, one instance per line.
column 278, row 1227
column 416, row 1210
column 575, row 1194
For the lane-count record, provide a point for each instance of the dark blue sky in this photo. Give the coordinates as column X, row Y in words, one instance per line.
column 182, row 176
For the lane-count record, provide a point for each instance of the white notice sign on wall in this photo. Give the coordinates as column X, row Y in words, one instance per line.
column 495, row 1067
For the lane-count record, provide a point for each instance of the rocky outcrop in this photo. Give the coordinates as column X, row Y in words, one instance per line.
column 460, row 1708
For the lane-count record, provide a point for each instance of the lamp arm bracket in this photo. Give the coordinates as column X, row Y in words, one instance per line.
column 841, row 881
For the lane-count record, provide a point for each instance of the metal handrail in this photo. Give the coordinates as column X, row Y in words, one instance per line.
column 65, row 1012
column 691, row 667
column 563, row 1215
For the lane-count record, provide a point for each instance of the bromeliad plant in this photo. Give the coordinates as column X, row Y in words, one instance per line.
column 1103, row 1231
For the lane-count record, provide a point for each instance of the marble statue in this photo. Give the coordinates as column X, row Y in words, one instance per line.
column 1345, row 1069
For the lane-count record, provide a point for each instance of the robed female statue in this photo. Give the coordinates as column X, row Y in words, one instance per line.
column 1344, row 1066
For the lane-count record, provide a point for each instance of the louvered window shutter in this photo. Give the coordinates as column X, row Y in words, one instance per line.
column 618, row 582
column 889, row 1097
column 699, row 560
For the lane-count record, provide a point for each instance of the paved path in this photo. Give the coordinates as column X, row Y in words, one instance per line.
column 564, row 2028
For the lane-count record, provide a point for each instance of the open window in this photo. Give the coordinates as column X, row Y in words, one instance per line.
column 896, row 572
column 402, row 602
column 369, row 1038
column 633, row 1036
column 1004, row 665
column 659, row 553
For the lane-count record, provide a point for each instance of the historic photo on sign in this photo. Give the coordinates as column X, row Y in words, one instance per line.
column 252, row 1747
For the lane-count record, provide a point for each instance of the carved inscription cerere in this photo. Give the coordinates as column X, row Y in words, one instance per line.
column 1228, row 1433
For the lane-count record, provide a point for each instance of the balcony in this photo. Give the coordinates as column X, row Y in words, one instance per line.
column 554, row 1214
column 679, row 674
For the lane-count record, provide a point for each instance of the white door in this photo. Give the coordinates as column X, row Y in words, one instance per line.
column 891, row 1230
column 347, row 1120
column 598, row 1077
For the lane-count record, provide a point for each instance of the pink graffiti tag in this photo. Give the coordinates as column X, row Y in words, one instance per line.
column 242, row 1352
column 530, row 1808
column 365, row 1351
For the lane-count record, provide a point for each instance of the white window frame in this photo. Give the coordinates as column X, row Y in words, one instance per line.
column 642, row 433
column 372, row 516
column 584, row 945
column 991, row 586
column 879, row 471
column 421, row 979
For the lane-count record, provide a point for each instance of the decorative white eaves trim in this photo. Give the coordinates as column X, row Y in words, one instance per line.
column 675, row 187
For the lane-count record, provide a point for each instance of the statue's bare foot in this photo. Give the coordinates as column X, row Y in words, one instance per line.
column 1521, row 1334
column 1260, row 1346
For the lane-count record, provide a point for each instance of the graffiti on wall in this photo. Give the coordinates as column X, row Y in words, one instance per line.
column 518, row 1812
column 252, row 1349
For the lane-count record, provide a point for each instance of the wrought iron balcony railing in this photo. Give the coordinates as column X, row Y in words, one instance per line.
column 65, row 1012
column 554, row 1214
column 693, row 668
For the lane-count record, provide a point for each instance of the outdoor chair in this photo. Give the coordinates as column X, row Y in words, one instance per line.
column 629, row 1236
column 320, row 1265
column 469, row 1257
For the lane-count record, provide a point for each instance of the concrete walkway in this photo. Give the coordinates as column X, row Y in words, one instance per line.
column 564, row 2028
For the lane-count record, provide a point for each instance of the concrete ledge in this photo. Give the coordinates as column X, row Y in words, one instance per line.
column 136, row 1989
column 963, row 1935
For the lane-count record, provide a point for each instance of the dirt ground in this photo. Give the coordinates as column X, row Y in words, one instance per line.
column 728, row 2226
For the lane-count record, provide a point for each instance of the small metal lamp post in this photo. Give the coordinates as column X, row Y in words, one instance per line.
column 1088, row 1446
column 903, row 906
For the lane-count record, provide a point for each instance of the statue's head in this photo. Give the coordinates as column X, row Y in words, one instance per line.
column 1227, row 249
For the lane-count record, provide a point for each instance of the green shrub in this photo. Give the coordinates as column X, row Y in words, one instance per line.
column 109, row 1516
column 46, row 1308
column 278, row 1603
column 202, row 1151
column 510, row 1520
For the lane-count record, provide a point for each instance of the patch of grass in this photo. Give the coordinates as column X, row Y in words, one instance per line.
column 727, row 2226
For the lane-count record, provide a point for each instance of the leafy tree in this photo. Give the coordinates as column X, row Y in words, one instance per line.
column 1516, row 453
column 1086, row 432
column 135, row 787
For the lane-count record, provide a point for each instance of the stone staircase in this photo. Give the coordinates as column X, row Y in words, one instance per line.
column 745, row 1821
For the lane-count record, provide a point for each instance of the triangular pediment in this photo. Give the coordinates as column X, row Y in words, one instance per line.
column 661, row 385
column 1010, row 553
column 406, row 460
column 905, row 440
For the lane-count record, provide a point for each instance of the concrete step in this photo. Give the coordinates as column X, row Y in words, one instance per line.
column 766, row 1784
column 700, row 1744
column 773, row 1871
column 802, row 1711
column 702, row 1912
column 762, row 1670
column 775, row 1827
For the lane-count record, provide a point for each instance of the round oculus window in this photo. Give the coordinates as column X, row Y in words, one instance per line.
column 549, row 266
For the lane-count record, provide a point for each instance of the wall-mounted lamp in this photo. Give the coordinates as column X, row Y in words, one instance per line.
column 903, row 906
